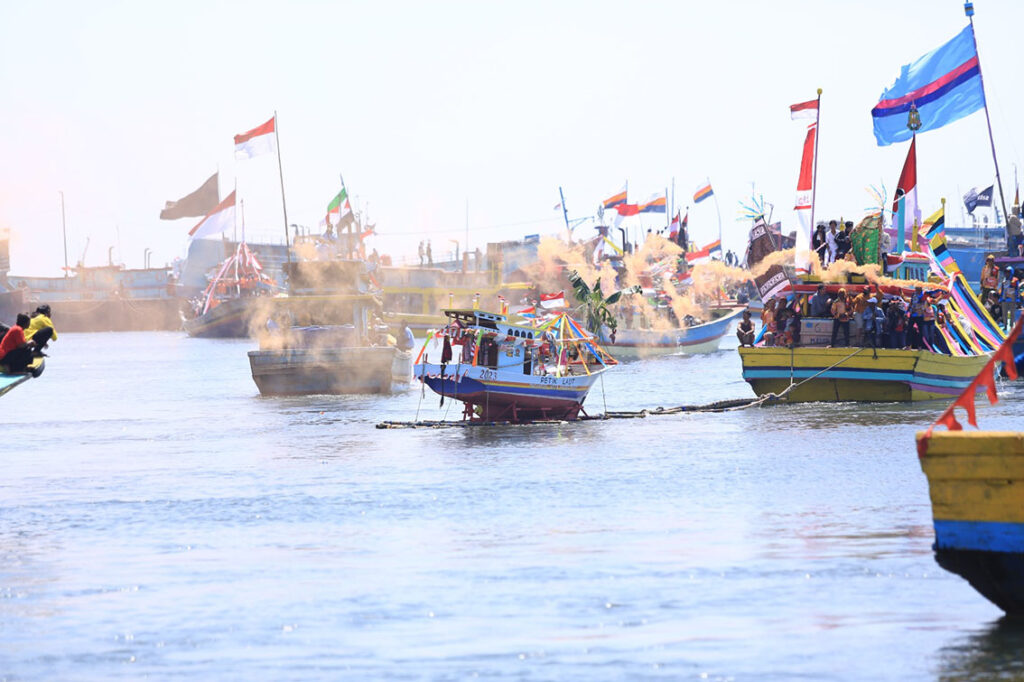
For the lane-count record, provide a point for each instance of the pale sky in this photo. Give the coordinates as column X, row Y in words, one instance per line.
column 423, row 106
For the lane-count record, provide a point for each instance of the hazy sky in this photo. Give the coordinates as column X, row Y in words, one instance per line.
column 423, row 106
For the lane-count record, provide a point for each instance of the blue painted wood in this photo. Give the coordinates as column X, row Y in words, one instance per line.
column 987, row 536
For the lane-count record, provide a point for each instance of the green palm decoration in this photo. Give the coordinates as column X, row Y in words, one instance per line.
column 595, row 304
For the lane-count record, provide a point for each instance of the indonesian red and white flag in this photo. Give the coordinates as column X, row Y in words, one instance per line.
column 220, row 219
column 259, row 140
column 552, row 301
column 804, row 203
column 807, row 109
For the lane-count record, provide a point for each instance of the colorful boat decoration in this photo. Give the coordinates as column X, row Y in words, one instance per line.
column 11, row 380
column 517, row 373
column 691, row 340
column 234, row 300
column 976, row 487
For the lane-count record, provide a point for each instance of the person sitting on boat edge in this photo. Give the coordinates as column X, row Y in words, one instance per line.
column 841, row 318
column 406, row 339
column 745, row 330
column 15, row 350
column 40, row 328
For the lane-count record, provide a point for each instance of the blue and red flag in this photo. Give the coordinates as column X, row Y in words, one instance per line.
column 944, row 85
column 617, row 198
column 702, row 193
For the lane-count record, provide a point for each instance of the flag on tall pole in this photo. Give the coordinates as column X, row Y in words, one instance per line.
column 259, row 140
column 943, row 85
column 195, row 204
column 703, row 192
column 806, row 184
column 654, row 204
column 905, row 206
column 617, row 198
column 220, row 218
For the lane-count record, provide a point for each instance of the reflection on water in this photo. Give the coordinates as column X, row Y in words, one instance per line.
column 990, row 653
column 161, row 519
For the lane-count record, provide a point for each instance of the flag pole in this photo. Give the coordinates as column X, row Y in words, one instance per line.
column 284, row 206
column 969, row 11
column 814, row 174
column 64, row 230
column 719, row 212
column 565, row 215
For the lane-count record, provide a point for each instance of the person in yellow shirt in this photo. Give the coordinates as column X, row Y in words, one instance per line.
column 40, row 328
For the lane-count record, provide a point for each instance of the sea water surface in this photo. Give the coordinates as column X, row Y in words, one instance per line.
column 160, row 520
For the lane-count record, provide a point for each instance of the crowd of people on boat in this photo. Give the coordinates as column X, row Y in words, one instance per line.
column 25, row 340
column 864, row 316
column 1001, row 291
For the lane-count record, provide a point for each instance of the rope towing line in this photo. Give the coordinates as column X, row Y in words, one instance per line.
column 719, row 406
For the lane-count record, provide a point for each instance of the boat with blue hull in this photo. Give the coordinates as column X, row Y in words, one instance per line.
column 687, row 340
column 11, row 380
column 976, row 488
column 517, row 373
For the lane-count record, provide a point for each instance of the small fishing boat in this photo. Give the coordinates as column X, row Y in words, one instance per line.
column 11, row 380
column 699, row 338
column 328, row 360
column 511, row 372
column 976, row 486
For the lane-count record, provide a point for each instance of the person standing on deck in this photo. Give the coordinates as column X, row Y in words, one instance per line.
column 841, row 318
column 422, row 253
column 830, row 242
column 874, row 322
column 989, row 276
column 819, row 303
column 916, row 321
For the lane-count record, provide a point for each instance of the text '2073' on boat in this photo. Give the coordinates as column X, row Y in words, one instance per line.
column 504, row 371
column 976, row 486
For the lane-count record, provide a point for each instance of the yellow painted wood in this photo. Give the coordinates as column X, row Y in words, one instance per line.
column 975, row 475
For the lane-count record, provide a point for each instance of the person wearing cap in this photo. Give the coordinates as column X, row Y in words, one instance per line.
column 989, row 276
column 896, row 323
column 40, row 328
column 841, row 318
column 873, row 320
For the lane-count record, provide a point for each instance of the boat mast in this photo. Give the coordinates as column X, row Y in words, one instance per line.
column 814, row 173
column 719, row 212
column 284, row 206
column 565, row 215
column 969, row 11
column 64, row 229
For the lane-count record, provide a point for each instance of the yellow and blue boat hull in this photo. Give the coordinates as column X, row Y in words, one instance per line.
column 851, row 374
column 976, row 485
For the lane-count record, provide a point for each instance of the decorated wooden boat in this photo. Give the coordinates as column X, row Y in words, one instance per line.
column 235, row 302
column 503, row 371
column 857, row 374
column 976, row 486
column 691, row 340
column 11, row 380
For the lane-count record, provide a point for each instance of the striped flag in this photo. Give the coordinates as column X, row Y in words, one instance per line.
column 655, row 204
column 259, row 140
column 218, row 220
column 617, row 198
column 807, row 109
column 943, row 85
column 703, row 192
